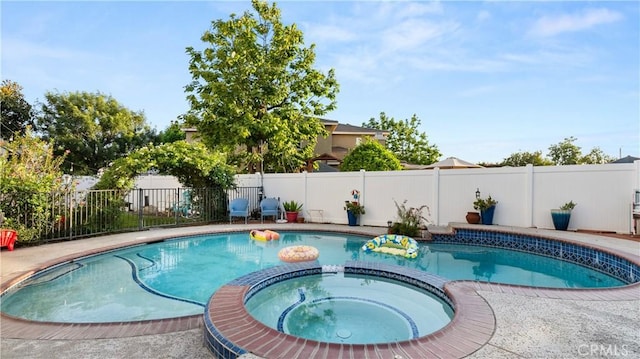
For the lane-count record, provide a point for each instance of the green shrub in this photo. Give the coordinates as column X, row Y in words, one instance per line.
column 29, row 175
column 410, row 220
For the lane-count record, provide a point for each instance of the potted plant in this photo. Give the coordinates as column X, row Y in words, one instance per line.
column 354, row 208
column 410, row 221
column 473, row 217
column 486, row 207
column 562, row 216
column 292, row 208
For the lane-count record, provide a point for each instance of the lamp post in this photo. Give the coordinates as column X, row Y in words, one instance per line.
column 477, row 193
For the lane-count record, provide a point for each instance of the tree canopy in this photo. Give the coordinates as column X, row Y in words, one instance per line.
column 172, row 133
column 405, row 140
column 16, row 113
column 370, row 155
column 565, row 152
column 255, row 89
column 520, row 159
column 192, row 163
column 95, row 128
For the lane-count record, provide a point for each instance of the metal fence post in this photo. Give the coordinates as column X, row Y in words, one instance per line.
column 140, row 208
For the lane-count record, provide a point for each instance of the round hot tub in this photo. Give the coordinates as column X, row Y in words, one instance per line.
column 349, row 308
column 358, row 306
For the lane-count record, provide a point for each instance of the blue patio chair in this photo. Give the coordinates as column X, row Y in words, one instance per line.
column 239, row 207
column 269, row 207
column 183, row 208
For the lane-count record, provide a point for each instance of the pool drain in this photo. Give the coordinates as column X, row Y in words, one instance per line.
column 343, row 333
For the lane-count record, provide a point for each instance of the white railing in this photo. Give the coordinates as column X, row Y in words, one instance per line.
column 604, row 194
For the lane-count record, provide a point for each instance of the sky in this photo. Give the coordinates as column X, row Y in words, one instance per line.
column 486, row 79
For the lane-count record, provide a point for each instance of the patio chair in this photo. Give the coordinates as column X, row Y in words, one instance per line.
column 269, row 207
column 8, row 238
column 239, row 207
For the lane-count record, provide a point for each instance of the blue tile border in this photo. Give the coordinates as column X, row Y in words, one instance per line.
column 600, row 260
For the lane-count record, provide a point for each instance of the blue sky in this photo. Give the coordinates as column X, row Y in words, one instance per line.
column 486, row 79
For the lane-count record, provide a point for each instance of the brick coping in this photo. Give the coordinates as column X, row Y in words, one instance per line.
column 24, row 329
column 230, row 330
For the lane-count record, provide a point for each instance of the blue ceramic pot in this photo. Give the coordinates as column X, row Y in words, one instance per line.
column 353, row 218
column 561, row 219
column 487, row 215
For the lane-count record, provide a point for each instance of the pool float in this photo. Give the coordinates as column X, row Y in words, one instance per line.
column 298, row 254
column 265, row 235
column 395, row 244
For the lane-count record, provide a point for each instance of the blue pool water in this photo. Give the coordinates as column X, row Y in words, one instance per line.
column 176, row 277
column 339, row 308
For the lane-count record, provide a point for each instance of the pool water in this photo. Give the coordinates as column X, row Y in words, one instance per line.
column 339, row 308
column 176, row 277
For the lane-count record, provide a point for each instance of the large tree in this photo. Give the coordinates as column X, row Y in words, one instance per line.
column 370, row 156
column 95, row 128
column 172, row 133
column 405, row 140
column 16, row 114
column 254, row 88
column 596, row 156
column 565, row 152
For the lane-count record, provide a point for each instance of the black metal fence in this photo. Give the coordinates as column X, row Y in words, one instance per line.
column 79, row 214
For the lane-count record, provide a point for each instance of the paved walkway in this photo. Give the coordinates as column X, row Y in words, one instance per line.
column 529, row 323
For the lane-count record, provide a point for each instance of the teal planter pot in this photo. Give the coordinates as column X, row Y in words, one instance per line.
column 352, row 218
column 486, row 216
column 560, row 219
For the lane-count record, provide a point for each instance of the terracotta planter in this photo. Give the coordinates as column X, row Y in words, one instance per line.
column 473, row 217
column 292, row 217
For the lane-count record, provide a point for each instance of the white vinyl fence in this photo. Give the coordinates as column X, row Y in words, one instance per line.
column 604, row 194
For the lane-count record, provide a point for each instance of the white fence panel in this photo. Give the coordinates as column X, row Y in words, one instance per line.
column 603, row 193
column 382, row 192
column 525, row 195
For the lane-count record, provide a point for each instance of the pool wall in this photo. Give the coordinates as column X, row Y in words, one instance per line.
column 617, row 265
column 231, row 331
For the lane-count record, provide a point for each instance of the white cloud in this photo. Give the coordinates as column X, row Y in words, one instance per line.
column 418, row 9
column 413, row 33
column 483, row 16
column 18, row 50
column 554, row 25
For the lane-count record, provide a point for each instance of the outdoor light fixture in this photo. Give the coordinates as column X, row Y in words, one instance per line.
column 478, row 193
column 389, row 224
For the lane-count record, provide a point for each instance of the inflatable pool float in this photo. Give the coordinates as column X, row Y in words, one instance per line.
column 265, row 235
column 298, row 254
column 395, row 244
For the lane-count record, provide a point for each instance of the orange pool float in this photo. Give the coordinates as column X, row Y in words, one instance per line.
column 298, row 254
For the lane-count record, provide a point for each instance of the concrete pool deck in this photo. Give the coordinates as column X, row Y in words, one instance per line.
column 530, row 323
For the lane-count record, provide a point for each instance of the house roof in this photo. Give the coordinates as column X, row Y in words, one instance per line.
column 627, row 159
column 350, row 129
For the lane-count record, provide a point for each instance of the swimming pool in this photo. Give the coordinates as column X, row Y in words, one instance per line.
column 176, row 277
